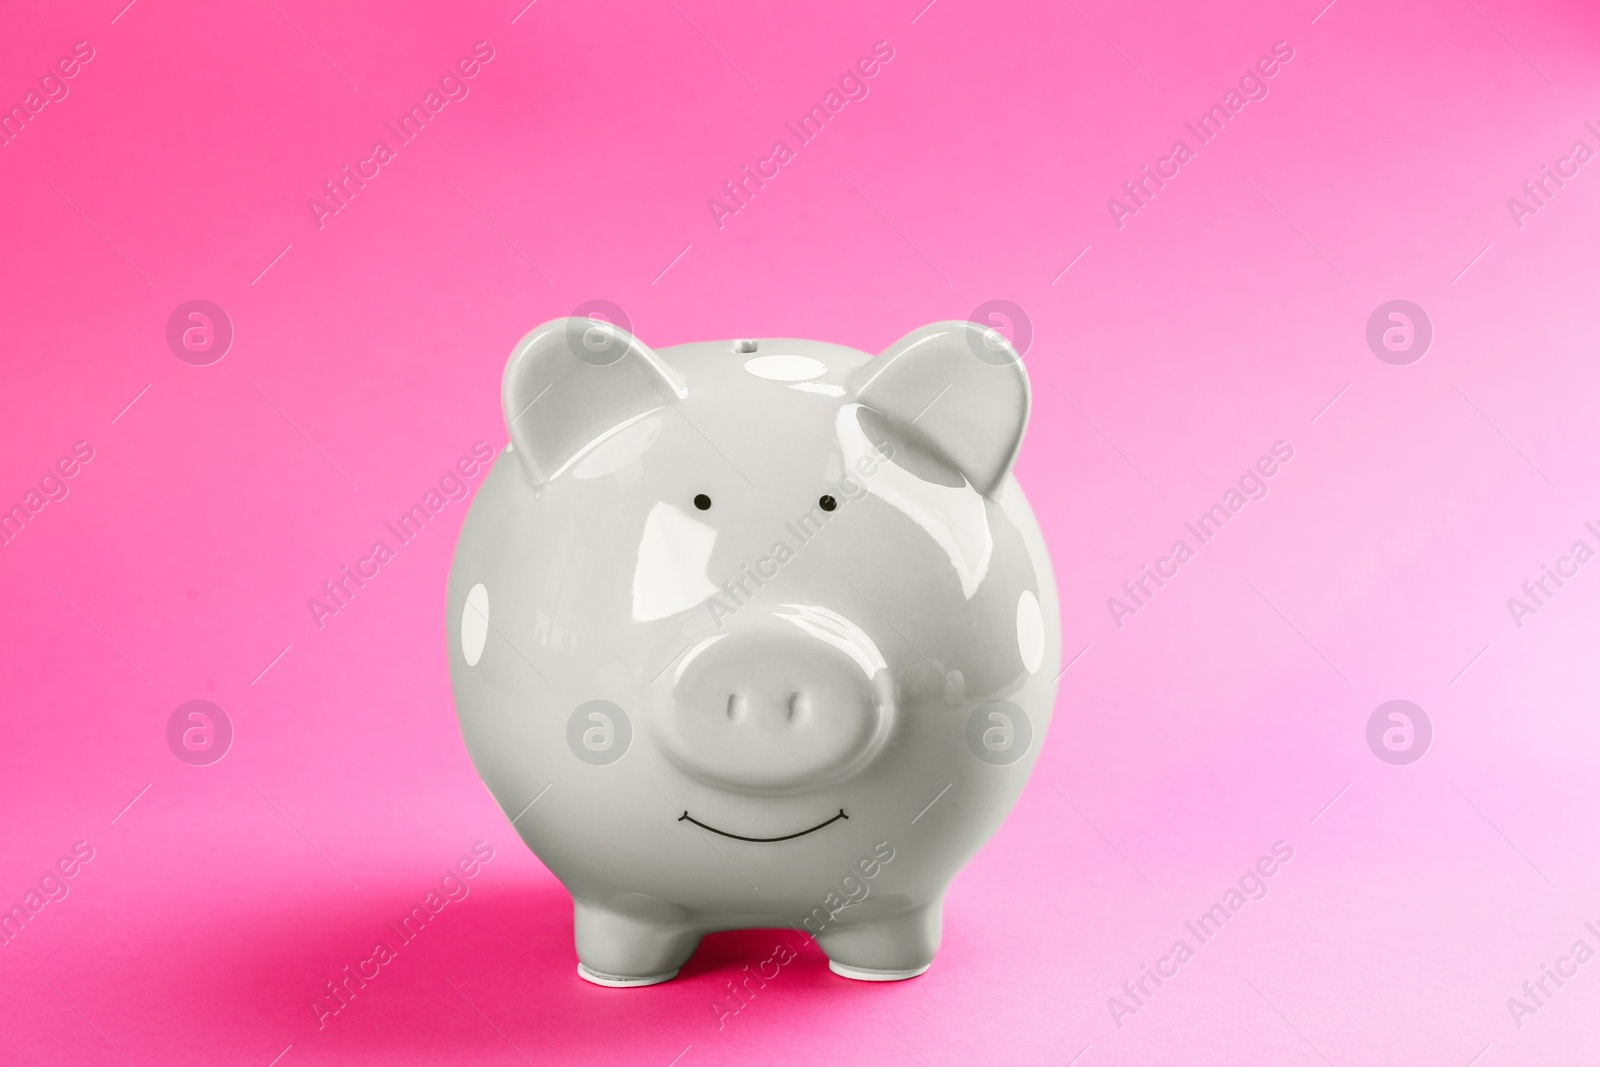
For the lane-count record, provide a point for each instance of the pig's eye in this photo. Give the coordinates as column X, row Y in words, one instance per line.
column 828, row 503
column 703, row 502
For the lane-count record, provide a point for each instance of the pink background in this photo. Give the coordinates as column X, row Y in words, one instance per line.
column 1223, row 317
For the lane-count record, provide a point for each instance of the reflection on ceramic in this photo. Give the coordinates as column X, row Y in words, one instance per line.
column 774, row 636
column 617, row 448
column 820, row 388
column 954, row 516
column 670, row 575
column 785, row 368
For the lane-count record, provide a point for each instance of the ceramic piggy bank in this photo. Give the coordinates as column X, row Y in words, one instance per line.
column 755, row 634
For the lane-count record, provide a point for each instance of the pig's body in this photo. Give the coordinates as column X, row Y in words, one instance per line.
column 728, row 705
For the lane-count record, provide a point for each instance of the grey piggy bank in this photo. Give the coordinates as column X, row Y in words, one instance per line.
column 755, row 634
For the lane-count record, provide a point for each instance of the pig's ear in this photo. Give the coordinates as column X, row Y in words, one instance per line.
column 570, row 382
column 958, row 386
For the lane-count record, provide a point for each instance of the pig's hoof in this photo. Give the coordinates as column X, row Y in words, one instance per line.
column 867, row 974
column 886, row 948
column 623, row 981
column 642, row 945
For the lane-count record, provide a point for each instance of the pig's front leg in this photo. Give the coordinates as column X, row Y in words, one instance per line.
column 640, row 943
column 883, row 948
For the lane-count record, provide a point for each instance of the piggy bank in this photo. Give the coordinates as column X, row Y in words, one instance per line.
column 755, row 633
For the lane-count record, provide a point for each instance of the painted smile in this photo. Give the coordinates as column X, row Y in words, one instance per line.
column 785, row 837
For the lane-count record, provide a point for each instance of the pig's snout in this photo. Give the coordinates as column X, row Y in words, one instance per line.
column 799, row 699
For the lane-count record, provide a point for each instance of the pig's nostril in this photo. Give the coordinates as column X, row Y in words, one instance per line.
column 735, row 707
column 799, row 708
